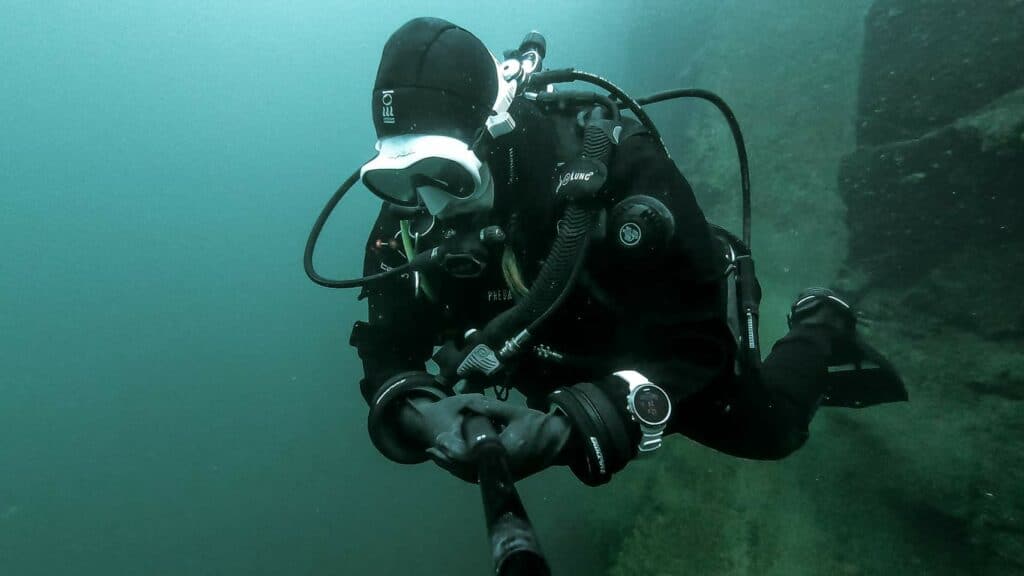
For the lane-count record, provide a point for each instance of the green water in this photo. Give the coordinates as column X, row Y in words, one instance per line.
column 177, row 398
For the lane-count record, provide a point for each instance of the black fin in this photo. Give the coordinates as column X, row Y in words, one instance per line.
column 862, row 377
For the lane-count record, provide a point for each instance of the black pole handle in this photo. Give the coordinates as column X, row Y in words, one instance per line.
column 514, row 546
column 481, row 437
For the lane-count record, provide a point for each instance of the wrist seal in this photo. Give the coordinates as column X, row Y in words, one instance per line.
column 381, row 425
column 601, row 441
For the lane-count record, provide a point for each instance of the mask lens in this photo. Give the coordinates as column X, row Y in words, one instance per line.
column 443, row 174
column 409, row 167
column 394, row 186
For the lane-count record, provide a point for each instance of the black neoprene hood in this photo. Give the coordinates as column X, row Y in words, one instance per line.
column 434, row 78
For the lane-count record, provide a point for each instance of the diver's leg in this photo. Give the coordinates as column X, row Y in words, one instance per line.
column 821, row 361
column 856, row 375
column 764, row 414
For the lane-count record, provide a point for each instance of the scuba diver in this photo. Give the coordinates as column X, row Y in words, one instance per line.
column 537, row 239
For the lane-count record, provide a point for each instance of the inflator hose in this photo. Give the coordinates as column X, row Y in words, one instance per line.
column 737, row 136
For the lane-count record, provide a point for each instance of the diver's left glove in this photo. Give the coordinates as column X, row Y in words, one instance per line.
column 395, row 427
column 414, row 418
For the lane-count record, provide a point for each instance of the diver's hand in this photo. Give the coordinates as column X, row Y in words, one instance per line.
column 532, row 439
column 437, row 428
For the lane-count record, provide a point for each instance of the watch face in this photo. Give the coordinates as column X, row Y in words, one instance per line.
column 651, row 405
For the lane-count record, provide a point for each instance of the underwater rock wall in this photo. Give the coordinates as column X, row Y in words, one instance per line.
column 935, row 214
column 932, row 487
column 788, row 69
column 933, row 190
column 927, row 63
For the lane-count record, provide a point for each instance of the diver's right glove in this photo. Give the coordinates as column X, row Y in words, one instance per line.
column 533, row 440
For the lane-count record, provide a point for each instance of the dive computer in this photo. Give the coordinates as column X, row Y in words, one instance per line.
column 649, row 405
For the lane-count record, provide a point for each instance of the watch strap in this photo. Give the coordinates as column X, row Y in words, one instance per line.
column 632, row 378
column 651, row 435
column 651, row 439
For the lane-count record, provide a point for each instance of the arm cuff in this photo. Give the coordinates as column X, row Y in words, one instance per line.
column 602, row 441
column 381, row 423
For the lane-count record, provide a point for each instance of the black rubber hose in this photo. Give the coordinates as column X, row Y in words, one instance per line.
column 596, row 144
column 569, row 74
column 737, row 135
column 553, row 280
column 314, row 236
column 560, row 271
column 578, row 223
column 577, row 99
column 636, row 106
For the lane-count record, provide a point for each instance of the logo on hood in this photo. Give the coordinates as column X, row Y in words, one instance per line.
column 387, row 106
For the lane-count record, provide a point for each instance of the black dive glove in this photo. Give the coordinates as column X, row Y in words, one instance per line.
column 413, row 418
column 533, row 440
column 395, row 434
column 435, row 427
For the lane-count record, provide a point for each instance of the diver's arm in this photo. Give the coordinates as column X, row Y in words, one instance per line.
column 394, row 340
column 673, row 322
column 685, row 360
column 394, row 345
column 761, row 415
column 687, row 349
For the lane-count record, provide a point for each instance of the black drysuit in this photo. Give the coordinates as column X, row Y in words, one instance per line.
column 662, row 313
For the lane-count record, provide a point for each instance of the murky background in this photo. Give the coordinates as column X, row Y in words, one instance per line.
column 177, row 398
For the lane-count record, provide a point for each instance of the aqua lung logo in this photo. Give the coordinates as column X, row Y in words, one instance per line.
column 630, row 234
column 387, row 106
column 573, row 177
